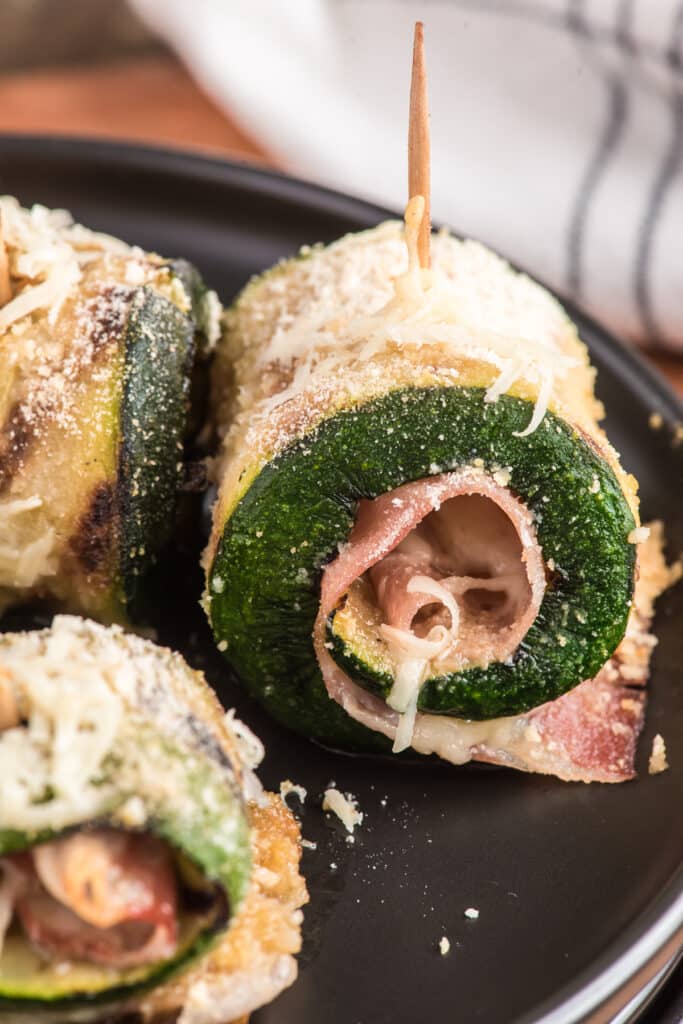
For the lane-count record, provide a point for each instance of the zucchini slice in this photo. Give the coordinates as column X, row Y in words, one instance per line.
column 345, row 375
column 264, row 581
column 148, row 782
column 97, row 353
column 35, row 989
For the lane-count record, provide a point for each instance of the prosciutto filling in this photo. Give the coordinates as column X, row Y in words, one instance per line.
column 457, row 554
column 104, row 896
column 472, row 565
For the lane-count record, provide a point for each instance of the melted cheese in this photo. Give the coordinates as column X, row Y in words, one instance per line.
column 412, row 656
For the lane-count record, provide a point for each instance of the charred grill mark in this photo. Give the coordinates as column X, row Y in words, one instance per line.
column 92, row 542
column 107, row 314
column 207, row 743
column 16, row 436
column 192, row 730
column 99, row 324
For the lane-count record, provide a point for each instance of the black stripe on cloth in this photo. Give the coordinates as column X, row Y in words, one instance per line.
column 617, row 113
column 671, row 165
column 624, row 22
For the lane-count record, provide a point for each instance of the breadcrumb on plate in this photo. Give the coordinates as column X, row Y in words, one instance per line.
column 658, row 762
column 345, row 807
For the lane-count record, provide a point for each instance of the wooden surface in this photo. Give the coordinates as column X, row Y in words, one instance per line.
column 150, row 99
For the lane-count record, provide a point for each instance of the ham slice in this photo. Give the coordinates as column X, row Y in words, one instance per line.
column 468, row 533
column 589, row 734
column 104, row 896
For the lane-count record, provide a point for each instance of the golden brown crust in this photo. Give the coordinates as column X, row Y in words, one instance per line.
column 258, row 950
column 61, row 384
column 255, row 429
column 630, row 662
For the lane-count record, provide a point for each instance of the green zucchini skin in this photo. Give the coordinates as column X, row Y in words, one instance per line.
column 301, row 506
column 172, row 755
column 194, row 837
column 103, row 1007
column 159, row 346
column 134, row 406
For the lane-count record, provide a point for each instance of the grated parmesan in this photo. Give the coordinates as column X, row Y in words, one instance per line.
column 46, row 253
column 65, row 295
column 112, row 724
column 364, row 297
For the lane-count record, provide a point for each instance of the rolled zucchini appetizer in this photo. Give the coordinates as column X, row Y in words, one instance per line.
column 97, row 346
column 419, row 515
column 128, row 850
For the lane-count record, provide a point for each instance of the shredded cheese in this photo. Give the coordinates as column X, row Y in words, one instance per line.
column 249, row 746
column 23, row 563
column 72, row 722
column 44, row 252
column 412, row 655
column 444, row 307
column 345, row 807
column 97, row 707
column 287, row 787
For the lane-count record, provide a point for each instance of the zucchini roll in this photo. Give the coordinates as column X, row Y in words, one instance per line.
column 136, row 878
column 97, row 346
column 419, row 515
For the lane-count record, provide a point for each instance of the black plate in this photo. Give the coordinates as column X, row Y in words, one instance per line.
column 579, row 888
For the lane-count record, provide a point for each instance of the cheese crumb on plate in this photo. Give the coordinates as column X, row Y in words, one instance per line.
column 658, row 762
column 345, row 807
column 287, row 787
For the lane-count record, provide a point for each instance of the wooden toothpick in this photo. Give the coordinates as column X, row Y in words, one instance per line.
column 418, row 143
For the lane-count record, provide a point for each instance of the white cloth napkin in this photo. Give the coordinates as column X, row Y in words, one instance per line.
column 557, row 125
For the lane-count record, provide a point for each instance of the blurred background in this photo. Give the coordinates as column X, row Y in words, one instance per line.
column 557, row 125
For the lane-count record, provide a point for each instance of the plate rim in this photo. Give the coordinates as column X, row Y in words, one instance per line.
column 256, row 178
column 656, row 935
